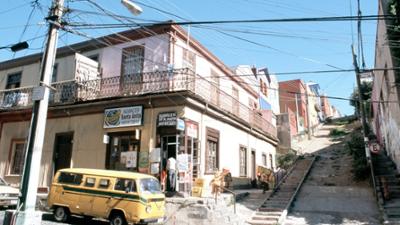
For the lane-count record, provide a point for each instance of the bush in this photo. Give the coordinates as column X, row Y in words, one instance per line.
column 360, row 168
column 337, row 132
column 285, row 161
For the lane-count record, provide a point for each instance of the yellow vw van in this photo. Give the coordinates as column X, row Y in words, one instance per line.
column 120, row 197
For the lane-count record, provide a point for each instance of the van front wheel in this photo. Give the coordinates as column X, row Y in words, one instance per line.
column 118, row 219
column 61, row 214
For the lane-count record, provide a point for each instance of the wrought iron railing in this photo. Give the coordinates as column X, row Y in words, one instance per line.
column 71, row 91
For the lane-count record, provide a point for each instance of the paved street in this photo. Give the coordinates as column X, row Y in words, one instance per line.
column 48, row 220
column 329, row 194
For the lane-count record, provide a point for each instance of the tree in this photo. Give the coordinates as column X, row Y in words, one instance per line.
column 366, row 90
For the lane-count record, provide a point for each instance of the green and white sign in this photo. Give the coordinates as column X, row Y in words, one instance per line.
column 123, row 117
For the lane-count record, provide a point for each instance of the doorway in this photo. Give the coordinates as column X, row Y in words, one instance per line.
column 62, row 151
column 253, row 164
column 169, row 148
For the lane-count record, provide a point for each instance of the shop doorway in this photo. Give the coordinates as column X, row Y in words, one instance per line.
column 62, row 151
column 169, row 148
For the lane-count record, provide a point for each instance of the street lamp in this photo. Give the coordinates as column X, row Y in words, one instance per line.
column 132, row 7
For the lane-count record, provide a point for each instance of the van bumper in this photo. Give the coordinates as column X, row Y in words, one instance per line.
column 153, row 220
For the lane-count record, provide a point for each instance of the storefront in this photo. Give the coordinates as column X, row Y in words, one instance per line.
column 177, row 139
column 122, row 127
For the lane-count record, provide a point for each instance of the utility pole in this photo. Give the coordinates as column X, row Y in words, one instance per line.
column 40, row 96
column 297, row 113
column 361, row 103
column 308, row 114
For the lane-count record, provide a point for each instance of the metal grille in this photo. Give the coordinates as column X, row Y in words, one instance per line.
column 67, row 92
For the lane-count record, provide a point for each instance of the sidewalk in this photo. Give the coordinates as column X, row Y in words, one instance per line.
column 194, row 210
column 320, row 139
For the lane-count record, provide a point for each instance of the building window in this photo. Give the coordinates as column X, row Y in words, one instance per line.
column 214, row 90
column 132, row 61
column 235, row 105
column 264, row 159
column 271, row 161
column 212, row 151
column 17, row 157
column 14, row 80
column 189, row 59
column 243, row 161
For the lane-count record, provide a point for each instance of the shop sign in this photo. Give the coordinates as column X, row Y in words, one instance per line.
column 191, row 129
column 182, row 162
column 155, row 155
column 143, row 161
column 123, row 117
column 180, row 125
column 129, row 159
column 166, row 119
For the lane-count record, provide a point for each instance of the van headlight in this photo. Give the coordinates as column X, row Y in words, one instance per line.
column 148, row 209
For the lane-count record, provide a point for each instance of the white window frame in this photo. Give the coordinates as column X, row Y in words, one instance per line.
column 14, row 143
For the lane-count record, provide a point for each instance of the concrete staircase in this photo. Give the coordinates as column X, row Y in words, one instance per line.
column 387, row 181
column 275, row 208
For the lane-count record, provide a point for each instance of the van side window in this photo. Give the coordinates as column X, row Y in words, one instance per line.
column 90, row 182
column 70, row 178
column 125, row 185
column 104, row 183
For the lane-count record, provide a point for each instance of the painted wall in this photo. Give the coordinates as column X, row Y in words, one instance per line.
column 204, row 68
column 288, row 100
column 156, row 54
column 230, row 141
column 87, row 140
column 386, row 115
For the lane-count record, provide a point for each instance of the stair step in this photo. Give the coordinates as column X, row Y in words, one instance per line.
column 261, row 222
column 269, row 209
column 275, row 214
column 275, row 218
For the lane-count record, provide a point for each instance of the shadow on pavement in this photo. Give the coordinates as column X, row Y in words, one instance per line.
column 73, row 220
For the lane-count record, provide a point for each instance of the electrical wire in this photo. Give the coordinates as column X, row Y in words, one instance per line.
column 284, row 20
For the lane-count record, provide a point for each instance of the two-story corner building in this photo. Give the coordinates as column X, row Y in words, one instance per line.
column 131, row 100
column 292, row 100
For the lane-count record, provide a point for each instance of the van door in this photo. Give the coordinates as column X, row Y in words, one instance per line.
column 70, row 193
column 87, row 196
column 100, row 206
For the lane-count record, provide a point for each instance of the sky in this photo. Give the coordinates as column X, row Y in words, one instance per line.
column 281, row 47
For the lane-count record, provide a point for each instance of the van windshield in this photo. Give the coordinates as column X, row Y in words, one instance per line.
column 150, row 185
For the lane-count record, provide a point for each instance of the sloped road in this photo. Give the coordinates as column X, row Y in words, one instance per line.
column 329, row 194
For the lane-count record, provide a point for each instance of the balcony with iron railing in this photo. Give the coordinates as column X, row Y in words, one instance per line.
column 178, row 80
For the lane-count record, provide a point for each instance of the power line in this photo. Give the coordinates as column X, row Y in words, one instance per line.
column 284, row 20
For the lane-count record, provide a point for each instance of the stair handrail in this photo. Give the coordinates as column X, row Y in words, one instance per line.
column 231, row 192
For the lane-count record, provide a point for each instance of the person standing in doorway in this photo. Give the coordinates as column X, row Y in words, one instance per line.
column 171, row 168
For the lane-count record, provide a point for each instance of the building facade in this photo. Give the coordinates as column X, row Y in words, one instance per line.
column 292, row 95
column 385, row 92
column 131, row 100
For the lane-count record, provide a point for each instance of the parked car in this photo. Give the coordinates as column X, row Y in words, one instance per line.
column 8, row 194
column 120, row 197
